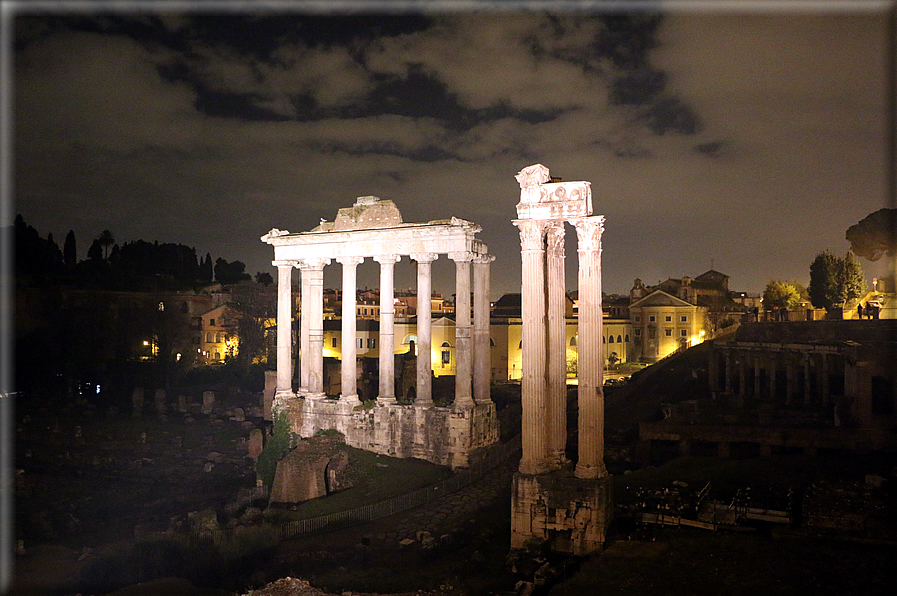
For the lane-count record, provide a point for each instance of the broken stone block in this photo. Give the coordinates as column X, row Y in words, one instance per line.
column 208, row 401
column 256, row 443
column 204, row 520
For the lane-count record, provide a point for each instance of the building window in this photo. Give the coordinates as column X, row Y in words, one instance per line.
column 611, row 339
column 208, row 338
column 683, row 332
column 638, row 332
column 211, row 322
column 217, row 338
column 668, row 332
column 333, row 342
column 359, row 343
column 652, row 318
column 684, row 318
column 573, row 341
column 638, row 318
column 372, row 343
column 652, row 333
column 620, row 340
column 627, row 336
column 669, row 318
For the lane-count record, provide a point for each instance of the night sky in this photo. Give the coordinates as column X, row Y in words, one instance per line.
column 713, row 137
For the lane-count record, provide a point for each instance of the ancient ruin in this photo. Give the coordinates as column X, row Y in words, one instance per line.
column 551, row 502
column 373, row 228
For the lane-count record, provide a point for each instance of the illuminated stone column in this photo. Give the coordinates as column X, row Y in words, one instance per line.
column 314, row 270
column 349, row 388
column 463, row 344
column 424, row 382
column 482, row 363
column 387, row 328
column 533, row 385
column 284, row 327
column 557, row 348
column 304, row 319
column 591, row 358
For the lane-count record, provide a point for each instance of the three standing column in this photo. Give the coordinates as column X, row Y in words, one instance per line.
column 557, row 348
column 387, row 328
column 313, row 307
column 463, row 355
column 482, row 353
column 533, row 381
column 349, row 388
column 424, row 382
column 591, row 358
column 284, row 327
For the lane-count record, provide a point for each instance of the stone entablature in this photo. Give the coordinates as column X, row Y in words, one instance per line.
column 373, row 228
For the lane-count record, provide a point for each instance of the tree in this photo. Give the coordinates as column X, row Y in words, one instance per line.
column 782, row 294
column 835, row 281
column 264, row 278
column 252, row 311
column 205, row 269
column 106, row 240
column 875, row 236
column 230, row 273
column 70, row 251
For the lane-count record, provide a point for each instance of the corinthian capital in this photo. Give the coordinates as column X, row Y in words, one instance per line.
column 554, row 238
column 588, row 232
column 532, row 234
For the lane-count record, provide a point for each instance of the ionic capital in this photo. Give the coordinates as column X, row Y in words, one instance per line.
column 424, row 257
column 314, row 264
column 461, row 256
column 588, row 232
column 350, row 260
column 285, row 264
column 388, row 259
column 532, row 233
column 483, row 259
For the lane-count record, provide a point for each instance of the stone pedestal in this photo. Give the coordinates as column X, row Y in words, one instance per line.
column 571, row 514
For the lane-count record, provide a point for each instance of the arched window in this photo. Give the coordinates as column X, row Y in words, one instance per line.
column 573, row 341
column 627, row 338
column 603, row 340
column 520, row 346
column 619, row 339
column 409, row 338
column 208, row 338
column 611, row 339
column 446, row 344
column 217, row 338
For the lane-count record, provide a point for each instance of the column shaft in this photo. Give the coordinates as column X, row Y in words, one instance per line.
column 482, row 363
column 315, row 271
column 304, row 318
column 424, row 381
column 557, row 345
column 591, row 357
column 463, row 344
column 387, row 328
column 533, row 384
column 349, row 388
column 284, row 328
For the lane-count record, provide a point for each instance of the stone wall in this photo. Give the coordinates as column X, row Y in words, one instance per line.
column 445, row 436
column 570, row 514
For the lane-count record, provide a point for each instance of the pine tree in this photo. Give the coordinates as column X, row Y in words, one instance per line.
column 69, row 251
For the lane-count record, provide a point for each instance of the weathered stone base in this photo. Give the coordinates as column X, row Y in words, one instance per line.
column 570, row 514
column 447, row 436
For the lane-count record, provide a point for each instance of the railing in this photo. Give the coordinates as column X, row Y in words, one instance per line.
column 365, row 513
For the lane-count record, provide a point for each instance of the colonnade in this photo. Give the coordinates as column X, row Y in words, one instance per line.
column 745, row 370
column 472, row 339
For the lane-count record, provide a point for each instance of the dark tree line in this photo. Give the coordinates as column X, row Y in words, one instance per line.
column 135, row 265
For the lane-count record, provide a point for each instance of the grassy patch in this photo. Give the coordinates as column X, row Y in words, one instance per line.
column 374, row 478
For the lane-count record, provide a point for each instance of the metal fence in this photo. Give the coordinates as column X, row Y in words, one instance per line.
column 365, row 513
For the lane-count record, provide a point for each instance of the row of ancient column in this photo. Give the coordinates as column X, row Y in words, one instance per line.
column 814, row 364
column 543, row 384
column 473, row 362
